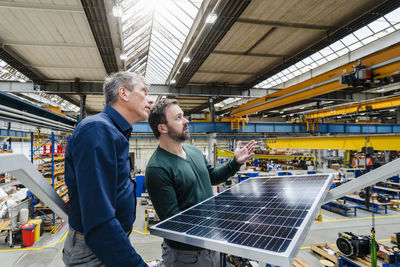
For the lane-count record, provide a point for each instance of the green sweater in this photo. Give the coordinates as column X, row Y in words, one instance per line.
column 175, row 184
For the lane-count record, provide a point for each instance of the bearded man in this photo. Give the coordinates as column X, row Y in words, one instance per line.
column 178, row 176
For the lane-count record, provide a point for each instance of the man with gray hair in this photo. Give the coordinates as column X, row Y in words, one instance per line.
column 97, row 173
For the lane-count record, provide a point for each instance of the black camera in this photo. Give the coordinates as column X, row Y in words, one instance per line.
column 350, row 244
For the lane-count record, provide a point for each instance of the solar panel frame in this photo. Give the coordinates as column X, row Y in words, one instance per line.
column 282, row 259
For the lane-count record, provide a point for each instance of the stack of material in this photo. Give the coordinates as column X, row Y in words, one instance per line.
column 12, row 201
column 395, row 204
column 144, row 199
column 299, row 262
column 326, row 251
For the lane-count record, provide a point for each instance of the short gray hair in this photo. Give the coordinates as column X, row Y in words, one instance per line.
column 120, row 79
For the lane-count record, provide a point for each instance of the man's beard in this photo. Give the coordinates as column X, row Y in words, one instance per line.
column 179, row 137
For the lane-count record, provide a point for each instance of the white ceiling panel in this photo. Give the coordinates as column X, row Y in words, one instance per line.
column 52, row 37
column 61, row 56
column 71, row 74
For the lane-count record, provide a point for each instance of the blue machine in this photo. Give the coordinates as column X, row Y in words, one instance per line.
column 244, row 176
column 284, row 173
column 139, row 185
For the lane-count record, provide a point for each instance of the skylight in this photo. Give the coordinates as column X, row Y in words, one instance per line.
column 154, row 32
column 369, row 33
column 8, row 73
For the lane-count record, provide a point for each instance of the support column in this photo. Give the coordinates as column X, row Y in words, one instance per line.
column 212, row 109
column 387, row 156
column 398, row 115
column 82, row 103
column 211, row 144
column 8, row 128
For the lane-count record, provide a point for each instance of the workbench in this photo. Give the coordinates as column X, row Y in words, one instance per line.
column 375, row 205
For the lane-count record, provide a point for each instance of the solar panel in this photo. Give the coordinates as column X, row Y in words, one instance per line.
column 262, row 218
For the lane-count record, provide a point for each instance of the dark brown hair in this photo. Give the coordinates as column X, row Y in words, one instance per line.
column 157, row 114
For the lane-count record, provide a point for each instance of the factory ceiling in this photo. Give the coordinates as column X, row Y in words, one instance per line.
column 215, row 45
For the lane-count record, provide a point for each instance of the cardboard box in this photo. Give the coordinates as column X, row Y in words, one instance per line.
column 335, row 166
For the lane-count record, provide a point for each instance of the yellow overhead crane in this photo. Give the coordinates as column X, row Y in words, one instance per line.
column 385, row 63
column 361, row 107
column 229, row 154
column 235, row 122
column 378, row 142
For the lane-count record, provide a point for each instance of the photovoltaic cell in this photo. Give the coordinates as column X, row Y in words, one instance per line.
column 263, row 218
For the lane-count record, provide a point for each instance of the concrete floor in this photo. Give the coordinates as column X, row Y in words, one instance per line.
column 48, row 250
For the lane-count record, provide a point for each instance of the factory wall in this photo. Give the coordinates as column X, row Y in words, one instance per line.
column 144, row 148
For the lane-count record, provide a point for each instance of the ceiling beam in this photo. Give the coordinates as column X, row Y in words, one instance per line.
column 284, row 24
column 234, row 53
column 64, row 67
column 91, row 88
column 268, row 33
column 204, row 106
column 77, row 103
column 46, row 44
column 97, row 17
column 14, row 102
column 41, row 6
column 12, row 60
column 226, row 72
column 206, row 91
column 227, row 14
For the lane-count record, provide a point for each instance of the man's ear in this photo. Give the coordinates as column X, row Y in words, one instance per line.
column 122, row 92
column 162, row 128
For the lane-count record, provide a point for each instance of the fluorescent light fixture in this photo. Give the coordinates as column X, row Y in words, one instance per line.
column 173, row 81
column 302, row 107
column 117, row 11
column 123, row 57
column 186, row 59
column 211, row 18
column 389, row 118
column 380, row 90
column 281, row 112
column 22, row 80
column 392, row 110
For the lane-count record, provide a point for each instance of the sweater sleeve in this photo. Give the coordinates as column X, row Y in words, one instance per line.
column 159, row 184
column 222, row 173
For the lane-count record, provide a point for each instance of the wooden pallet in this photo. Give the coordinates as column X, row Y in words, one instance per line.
column 299, row 262
column 323, row 249
column 394, row 239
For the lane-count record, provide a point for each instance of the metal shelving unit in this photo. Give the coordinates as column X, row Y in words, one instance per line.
column 47, row 154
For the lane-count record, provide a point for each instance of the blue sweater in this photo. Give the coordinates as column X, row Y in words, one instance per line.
column 101, row 193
